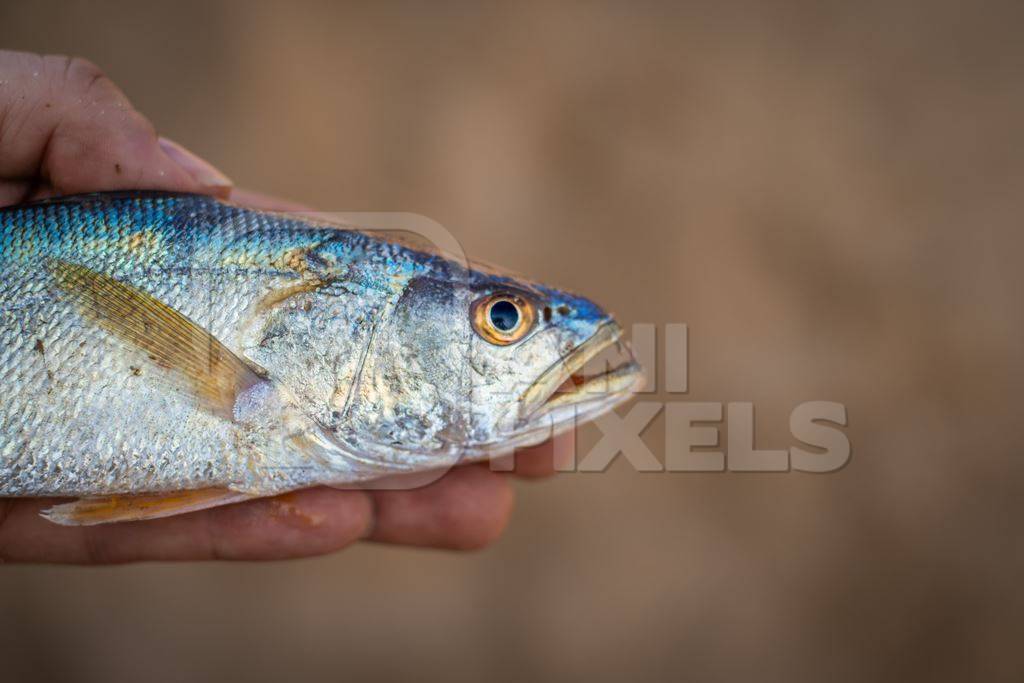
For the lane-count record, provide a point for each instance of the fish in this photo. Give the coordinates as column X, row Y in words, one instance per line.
column 162, row 353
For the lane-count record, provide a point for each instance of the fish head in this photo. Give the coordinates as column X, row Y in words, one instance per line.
column 541, row 361
column 471, row 364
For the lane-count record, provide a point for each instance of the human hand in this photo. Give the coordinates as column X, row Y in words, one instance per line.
column 65, row 128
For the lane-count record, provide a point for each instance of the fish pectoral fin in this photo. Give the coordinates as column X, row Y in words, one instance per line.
column 105, row 510
column 202, row 365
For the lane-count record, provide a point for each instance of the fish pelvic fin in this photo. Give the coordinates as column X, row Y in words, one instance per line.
column 198, row 360
column 109, row 509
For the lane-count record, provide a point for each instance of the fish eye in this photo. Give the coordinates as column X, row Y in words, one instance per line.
column 504, row 315
column 502, row 319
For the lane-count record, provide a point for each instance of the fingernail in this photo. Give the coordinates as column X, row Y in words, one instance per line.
column 205, row 173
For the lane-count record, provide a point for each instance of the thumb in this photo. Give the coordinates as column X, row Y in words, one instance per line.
column 66, row 128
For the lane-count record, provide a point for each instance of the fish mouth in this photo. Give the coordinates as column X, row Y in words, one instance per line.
column 569, row 390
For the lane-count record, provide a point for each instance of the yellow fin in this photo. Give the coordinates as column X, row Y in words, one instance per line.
column 207, row 368
column 91, row 511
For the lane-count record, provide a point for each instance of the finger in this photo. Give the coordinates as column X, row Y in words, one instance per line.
column 66, row 125
column 15, row 191
column 468, row 508
column 205, row 173
column 537, row 462
column 300, row 524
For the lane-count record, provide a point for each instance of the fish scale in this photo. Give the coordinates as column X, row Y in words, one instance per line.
column 94, row 388
column 157, row 343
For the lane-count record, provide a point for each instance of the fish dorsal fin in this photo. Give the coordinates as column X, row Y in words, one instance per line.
column 198, row 360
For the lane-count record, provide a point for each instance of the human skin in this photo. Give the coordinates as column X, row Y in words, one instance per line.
column 66, row 128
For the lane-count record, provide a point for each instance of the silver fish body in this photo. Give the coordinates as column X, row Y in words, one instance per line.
column 368, row 356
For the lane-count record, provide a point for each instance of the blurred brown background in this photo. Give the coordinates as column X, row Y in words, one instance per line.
column 829, row 194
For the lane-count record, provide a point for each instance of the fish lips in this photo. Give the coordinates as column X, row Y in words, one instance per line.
column 564, row 391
